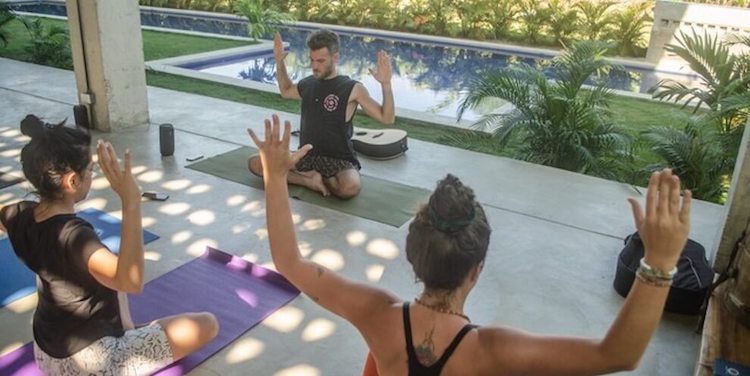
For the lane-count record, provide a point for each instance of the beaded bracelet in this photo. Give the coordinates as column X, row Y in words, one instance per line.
column 651, row 280
column 657, row 273
column 655, row 277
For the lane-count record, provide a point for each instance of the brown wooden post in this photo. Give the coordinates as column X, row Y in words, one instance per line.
column 726, row 333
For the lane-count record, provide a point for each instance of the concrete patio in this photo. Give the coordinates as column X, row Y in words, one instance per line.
column 549, row 268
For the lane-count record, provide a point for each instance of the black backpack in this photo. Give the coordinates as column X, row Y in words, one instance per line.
column 691, row 283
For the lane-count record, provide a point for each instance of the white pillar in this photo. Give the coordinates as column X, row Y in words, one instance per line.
column 107, row 47
column 673, row 17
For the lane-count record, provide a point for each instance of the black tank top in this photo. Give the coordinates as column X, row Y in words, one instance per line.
column 415, row 367
column 323, row 122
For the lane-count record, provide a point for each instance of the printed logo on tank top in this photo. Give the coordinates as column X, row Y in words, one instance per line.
column 331, row 103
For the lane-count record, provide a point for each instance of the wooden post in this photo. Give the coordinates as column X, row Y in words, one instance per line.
column 726, row 333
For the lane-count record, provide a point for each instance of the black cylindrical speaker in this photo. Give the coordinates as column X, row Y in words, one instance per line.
column 81, row 115
column 166, row 139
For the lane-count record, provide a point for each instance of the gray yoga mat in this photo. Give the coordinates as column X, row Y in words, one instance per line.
column 380, row 200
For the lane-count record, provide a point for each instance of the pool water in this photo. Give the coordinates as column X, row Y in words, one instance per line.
column 427, row 77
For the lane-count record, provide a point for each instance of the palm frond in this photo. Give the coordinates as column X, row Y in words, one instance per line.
column 510, row 84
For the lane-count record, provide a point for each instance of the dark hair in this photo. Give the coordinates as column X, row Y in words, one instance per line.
column 448, row 237
column 323, row 38
column 53, row 151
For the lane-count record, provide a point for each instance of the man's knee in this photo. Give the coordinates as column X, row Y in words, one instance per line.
column 348, row 189
column 254, row 165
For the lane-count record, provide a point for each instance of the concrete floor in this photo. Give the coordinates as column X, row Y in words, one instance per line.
column 549, row 268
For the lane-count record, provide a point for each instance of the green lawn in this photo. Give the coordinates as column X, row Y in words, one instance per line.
column 634, row 114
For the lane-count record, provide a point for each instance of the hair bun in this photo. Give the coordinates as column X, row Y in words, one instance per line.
column 32, row 126
column 451, row 206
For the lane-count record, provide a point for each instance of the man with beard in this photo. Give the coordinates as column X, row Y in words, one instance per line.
column 329, row 102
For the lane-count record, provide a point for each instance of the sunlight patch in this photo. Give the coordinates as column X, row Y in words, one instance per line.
column 199, row 246
column 299, row 370
column 241, row 228
column 200, row 188
column 152, row 256
column 329, row 258
column 236, row 200
column 25, row 304
column 250, row 257
column 318, row 329
column 176, row 185
column 139, row 169
column 181, row 236
column 244, row 349
column 202, row 217
column 313, row 224
column 383, row 248
column 374, row 272
column 146, row 221
column 285, row 319
column 11, row 153
column 174, row 208
column 356, row 238
column 150, row 176
column 305, row 249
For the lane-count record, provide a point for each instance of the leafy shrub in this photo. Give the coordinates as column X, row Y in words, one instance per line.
column 554, row 123
column 50, row 44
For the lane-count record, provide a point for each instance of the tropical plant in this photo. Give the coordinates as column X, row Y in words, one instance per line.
column 533, row 19
column 563, row 21
column 50, row 44
column 311, row 10
column 723, row 75
column 556, row 123
column 595, row 18
column 6, row 15
column 474, row 18
column 438, row 15
column 262, row 19
column 502, row 16
column 630, row 27
column 695, row 153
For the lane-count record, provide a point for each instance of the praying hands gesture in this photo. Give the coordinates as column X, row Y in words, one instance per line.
column 383, row 73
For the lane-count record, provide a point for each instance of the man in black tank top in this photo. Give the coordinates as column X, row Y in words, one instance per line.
column 329, row 102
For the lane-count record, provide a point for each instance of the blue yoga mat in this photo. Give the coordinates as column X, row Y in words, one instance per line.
column 17, row 281
column 239, row 293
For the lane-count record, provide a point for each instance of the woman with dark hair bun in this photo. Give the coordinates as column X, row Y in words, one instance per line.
column 446, row 246
column 82, row 324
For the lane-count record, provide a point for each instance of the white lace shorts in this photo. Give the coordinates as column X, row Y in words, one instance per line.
column 139, row 351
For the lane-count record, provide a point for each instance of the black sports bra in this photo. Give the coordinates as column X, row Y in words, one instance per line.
column 415, row 367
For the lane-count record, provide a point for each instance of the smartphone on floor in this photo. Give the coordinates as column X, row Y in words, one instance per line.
column 158, row 196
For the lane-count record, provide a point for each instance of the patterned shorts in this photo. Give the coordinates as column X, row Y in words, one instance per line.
column 326, row 166
column 139, row 351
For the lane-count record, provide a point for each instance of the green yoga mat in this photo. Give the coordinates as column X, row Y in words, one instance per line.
column 380, row 200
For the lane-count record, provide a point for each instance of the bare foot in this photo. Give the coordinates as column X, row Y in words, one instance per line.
column 317, row 184
column 310, row 179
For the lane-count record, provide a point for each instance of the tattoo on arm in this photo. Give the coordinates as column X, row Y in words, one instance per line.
column 320, row 271
column 426, row 350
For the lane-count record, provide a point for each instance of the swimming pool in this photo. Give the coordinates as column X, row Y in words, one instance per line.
column 430, row 73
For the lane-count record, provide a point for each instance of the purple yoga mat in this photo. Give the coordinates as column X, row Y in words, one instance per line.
column 240, row 294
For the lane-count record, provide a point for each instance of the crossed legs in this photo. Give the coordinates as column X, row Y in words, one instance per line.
column 188, row 332
column 344, row 185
